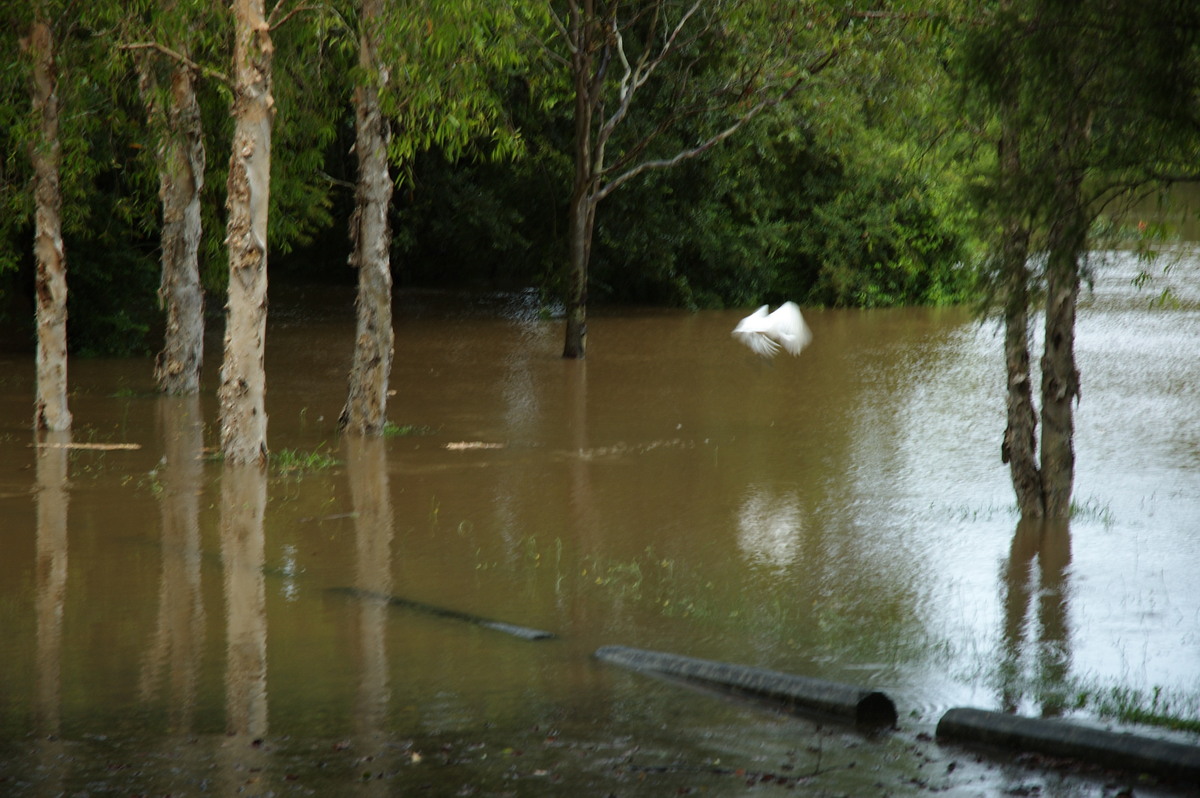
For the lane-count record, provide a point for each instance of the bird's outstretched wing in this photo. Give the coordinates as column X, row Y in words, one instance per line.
column 765, row 333
column 787, row 327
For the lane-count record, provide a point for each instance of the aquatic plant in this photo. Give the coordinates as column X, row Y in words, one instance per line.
column 295, row 462
column 393, row 430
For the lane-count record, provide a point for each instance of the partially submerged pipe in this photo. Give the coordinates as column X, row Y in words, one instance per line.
column 1061, row 738
column 523, row 632
column 795, row 694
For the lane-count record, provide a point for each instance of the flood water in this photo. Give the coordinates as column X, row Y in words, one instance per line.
column 171, row 625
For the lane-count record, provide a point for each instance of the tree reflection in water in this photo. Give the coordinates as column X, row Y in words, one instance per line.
column 243, row 504
column 1045, row 637
column 366, row 468
column 178, row 639
column 51, row 575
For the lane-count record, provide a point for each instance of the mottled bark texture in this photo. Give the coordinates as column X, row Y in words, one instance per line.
column 242, row 392
column 1060, row 377
column 50, row 411
column 366, row 404
column 181, row 162
column 1019, row 449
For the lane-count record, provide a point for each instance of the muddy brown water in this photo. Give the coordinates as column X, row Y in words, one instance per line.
column 170, row 626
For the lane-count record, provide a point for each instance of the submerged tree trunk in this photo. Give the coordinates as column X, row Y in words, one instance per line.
column 51, row 411
column 243, row 381
column 582, row 222
column 1060, row 377
column 181, row 180
column 366, row 405
column 588, row 83
column 1019, row 449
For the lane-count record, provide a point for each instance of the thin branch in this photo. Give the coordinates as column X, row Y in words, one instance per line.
column 209, row 72
column 272, row 24
column 814, row 67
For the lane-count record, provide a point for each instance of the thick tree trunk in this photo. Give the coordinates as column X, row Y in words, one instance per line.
column 1060, row 377
column 181, row 179
column 51, row 411
column 1020, row 443
column 366, row 406
column 243, row 381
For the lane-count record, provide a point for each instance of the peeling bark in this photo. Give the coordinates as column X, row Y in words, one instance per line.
column 365, row 411
column 242, row 392
column 181, row 162
column 51, row 411
column 1060, row 377
column 1019, row 449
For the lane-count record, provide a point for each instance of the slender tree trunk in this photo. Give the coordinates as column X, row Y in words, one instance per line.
column 1019, row 449
column 366, row 406
column 583, row 203
column 243, row 381
column 582, row 224
column 1060, row 377
column 181, row 180
column 51, row 411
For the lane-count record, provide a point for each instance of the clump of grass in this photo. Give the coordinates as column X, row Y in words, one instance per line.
column 1092, row 510
column 294, row 462
column 393, row 430
column 1162, row 708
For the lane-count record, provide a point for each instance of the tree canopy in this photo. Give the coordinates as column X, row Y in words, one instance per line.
column 853, row 192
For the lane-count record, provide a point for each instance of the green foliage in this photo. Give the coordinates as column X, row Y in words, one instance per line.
column 394, row 430
column 297, row 463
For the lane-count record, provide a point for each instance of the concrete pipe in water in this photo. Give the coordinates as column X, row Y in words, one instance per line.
column 796, row 694
column 1061, row 738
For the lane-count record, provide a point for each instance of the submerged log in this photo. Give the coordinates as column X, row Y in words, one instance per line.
column 1060, row 738
column 523, row 632
column 795, row 694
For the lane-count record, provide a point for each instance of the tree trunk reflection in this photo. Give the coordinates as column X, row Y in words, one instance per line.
column 1045, row 637
column 179, row 634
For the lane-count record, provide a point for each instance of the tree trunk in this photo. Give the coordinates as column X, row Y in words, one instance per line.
column 51, row 411
column 1060, row 377
column 181, row 179
column 583, row 203
column 366, row 406
column 582, row 222
column 243, row 381
column 1019, row 449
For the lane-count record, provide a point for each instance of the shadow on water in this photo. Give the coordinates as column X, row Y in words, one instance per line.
column 840, row 516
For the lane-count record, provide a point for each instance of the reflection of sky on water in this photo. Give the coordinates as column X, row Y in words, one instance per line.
column 769, row 528
column 929, row 478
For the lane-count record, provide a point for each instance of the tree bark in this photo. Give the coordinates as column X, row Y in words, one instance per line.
column 51, row 411
column 1060, row 377
column 242, row 392
column 181, row 160
column 1019, row 449
column 366, row 405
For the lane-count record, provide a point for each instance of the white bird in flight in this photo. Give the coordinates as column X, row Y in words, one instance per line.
column 766, row 333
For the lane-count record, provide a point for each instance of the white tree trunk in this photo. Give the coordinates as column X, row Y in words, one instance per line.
column 51, row 411
column 243, row 380
column 366, row 404
column 181, row 179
